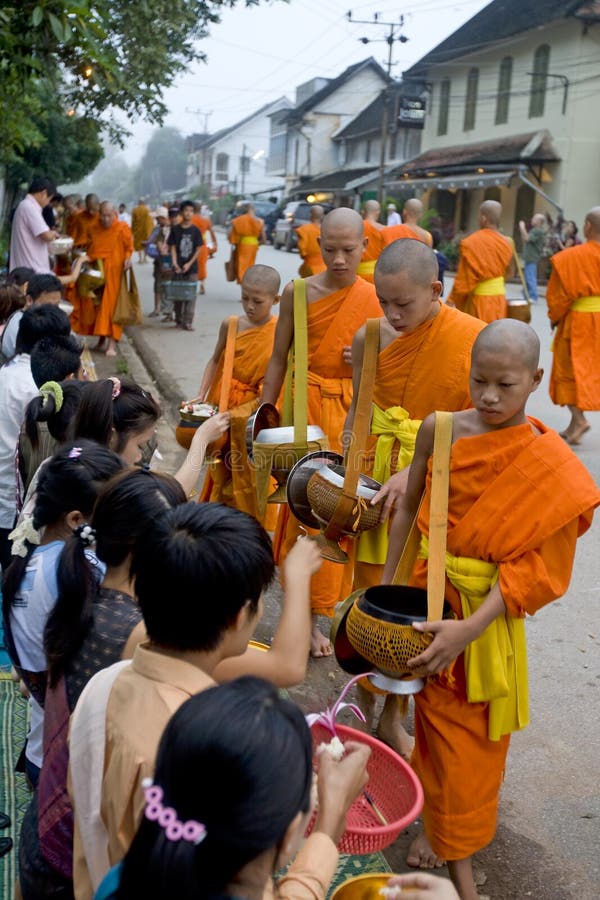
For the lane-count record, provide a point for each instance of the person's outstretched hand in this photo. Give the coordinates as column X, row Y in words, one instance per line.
column 304, row 558
column 339, row 784
column 213, row 428
column 420, row 886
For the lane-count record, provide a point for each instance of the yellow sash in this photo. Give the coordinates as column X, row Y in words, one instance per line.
column 393, row 424
column 248, row 239
column 496, row 662
column 586, row 304
column 490, row 288
column 367, row 267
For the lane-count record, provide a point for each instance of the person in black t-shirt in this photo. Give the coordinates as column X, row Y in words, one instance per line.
column 185, row 241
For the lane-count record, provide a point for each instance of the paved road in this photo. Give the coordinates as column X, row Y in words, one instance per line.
column 549, row 834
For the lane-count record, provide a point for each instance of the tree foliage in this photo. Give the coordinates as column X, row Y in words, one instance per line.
column 163, row 164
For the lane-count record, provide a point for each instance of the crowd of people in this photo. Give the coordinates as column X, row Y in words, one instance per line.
column 161, row 758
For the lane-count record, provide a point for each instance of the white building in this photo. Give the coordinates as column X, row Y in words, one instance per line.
column 512, row 115
column 236, row 159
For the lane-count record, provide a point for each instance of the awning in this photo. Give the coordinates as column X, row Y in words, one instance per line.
column 338, row 180
column 453, row 182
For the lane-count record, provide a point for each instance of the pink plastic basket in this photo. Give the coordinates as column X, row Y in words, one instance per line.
column 393, row 787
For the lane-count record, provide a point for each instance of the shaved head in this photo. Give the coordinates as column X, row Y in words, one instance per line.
column 263, row 277
column 413, row 257
column 316, row 213
column 491, row 211
column 343, row 218
column 372, row 210
column 412, row 210
column 512, row 339
column 592, row 221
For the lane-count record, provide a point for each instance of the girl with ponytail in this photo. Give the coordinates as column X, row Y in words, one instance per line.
column 90, row 627
column 66, row 493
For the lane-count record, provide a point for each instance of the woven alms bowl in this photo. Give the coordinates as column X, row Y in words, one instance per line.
column 324, row 489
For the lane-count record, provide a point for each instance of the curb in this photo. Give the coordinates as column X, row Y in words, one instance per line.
column 166, row 384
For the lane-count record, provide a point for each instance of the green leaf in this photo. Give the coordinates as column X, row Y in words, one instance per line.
column 57, row 27
column 38, row 15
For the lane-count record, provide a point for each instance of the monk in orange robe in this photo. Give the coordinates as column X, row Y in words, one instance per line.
column 246, row 233
column 206, row 230
column 573, row 296
column 339, row 302
column 485, row 260
column 308, row 243
column 412, row 211
column 231, row 480
column 83, row 221
column 142, row 225
column 518, row 500
column 375, row 240
column 110, row 241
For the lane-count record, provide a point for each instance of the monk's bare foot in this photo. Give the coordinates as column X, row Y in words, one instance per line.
column 421, row 855
column 574, row 436
column 367, row 701
column 111, row 350
column 319, row 644
column 101, row 344
column 391, row 730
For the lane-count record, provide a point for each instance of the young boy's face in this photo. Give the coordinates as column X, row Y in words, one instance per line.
column 406, row 304
column 500, row 385
column 186, row 214
column 257, row 302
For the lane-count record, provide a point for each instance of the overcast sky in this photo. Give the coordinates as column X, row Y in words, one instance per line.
column 255, row 55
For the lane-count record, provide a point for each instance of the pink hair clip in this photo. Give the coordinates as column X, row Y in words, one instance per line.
column 74, row 452
column 116, row 386
column 174, row 829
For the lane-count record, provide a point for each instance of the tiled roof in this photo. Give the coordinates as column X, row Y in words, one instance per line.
column 368, row 119
column 499, row 20
column 332, row 181
column 296, row 113
column 524, row 148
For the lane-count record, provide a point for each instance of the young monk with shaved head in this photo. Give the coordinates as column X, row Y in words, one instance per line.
column 374, row 231
column 231, row 479
column 112, row 242
column 309, row 248
column 573, row 296
column 518, row 500
column 485, row 261
column 423, row 365
column 412, row 211
column 339, row 302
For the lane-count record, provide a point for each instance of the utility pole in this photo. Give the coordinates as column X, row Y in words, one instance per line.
column 202, row 113
column 393, row 36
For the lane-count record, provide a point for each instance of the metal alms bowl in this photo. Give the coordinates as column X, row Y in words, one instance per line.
column 264, row 416
column 297, row 484
column 61, row 245
column 367, row 487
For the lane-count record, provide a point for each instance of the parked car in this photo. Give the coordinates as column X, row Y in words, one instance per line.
column 262, row 208
column 295, row 214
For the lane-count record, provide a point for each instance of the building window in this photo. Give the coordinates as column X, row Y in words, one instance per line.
column 444, row 106
column 471, row 100
column 504, row 83
column 222, row 173
column 368, row 152
column 537, row 97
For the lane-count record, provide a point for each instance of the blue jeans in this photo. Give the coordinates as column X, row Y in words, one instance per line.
column 531, row 281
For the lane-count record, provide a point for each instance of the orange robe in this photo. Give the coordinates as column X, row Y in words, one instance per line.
column 141, row 226
column 71, row 225
column 245, row 235
column 231, row 481
column 332, row 323
column 81, row 225
column 484, row 255
column 203, row 225
column 410, row 375
column 310, row 250
column 112, row 245
column 393, row 233
column 372, row 252
column 575, row 377
column 518, row 500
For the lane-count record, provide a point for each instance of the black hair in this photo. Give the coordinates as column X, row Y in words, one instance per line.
column 41, row 183
column 70, row 480
column 42, row 284
column 238, row 759
column 123, row 510
column 56, row 358
column 12, row 298
column 209, row 560
column 185, row 203
column 436, row 237
column 45, row 320
column 43, row 409
column 20, row 275
column 131, row 412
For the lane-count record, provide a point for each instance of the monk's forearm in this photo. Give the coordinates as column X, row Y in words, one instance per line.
column 207, row 379
column 399, row 530
column 492, row 607
column 273, row 381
